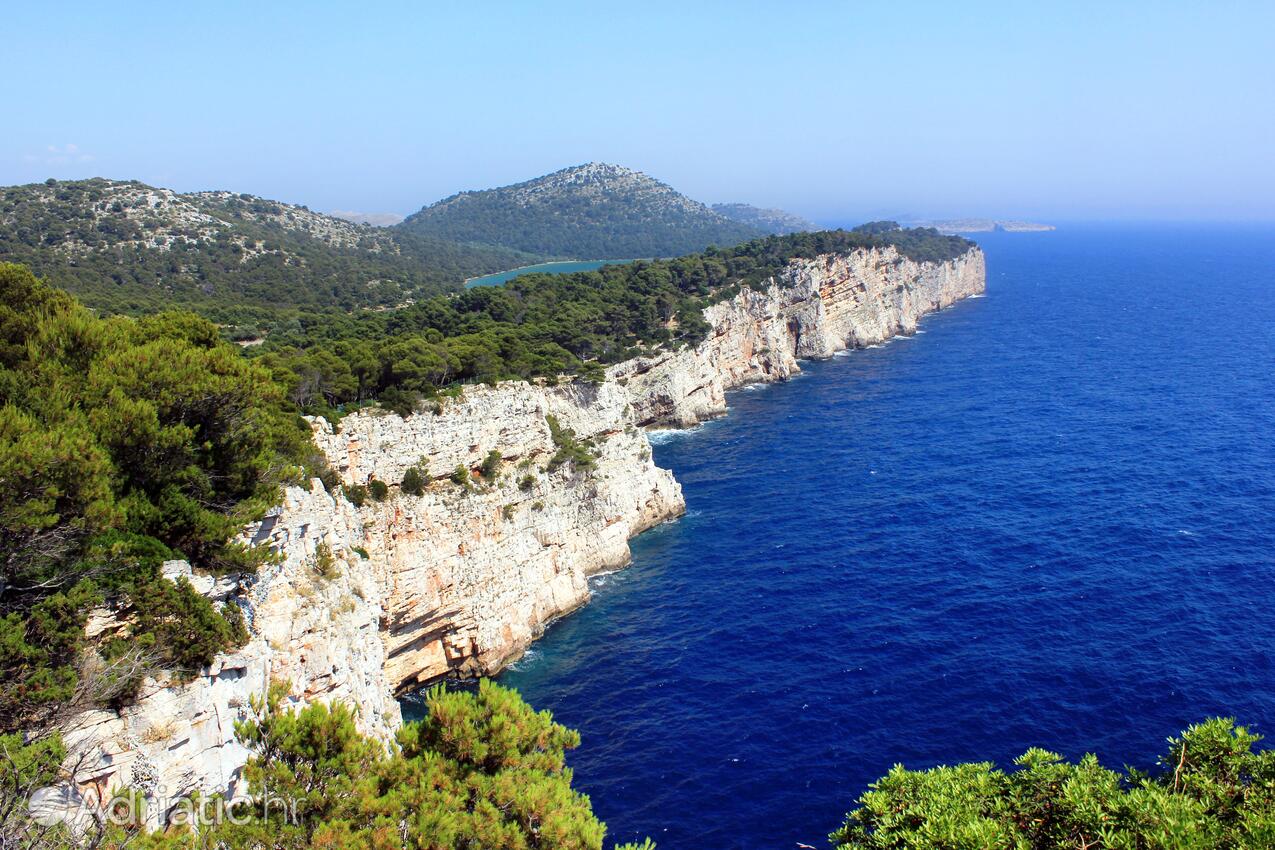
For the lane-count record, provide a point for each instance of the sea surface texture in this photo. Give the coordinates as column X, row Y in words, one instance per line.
column 1047, row 519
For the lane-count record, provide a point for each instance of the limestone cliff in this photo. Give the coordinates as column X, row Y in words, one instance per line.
column 319, row 633
column 461, row 577
column 813, row 308
column 473, row 573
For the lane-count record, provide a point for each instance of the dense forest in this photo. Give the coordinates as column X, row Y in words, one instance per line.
column 125, row 247
column 544, row 325
column 590, row 212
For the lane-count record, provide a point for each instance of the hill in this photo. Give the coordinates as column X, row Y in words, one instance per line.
column 124, row 246
column 588, row 212
column 772, row 221
column 984, row 225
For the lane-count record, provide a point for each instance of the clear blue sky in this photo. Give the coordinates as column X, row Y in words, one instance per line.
column 838, row 110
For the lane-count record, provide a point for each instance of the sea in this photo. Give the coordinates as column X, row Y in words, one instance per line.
column 560, row 267
column 1045, row 519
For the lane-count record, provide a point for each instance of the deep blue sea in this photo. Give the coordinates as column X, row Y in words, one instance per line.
column 1046, row 519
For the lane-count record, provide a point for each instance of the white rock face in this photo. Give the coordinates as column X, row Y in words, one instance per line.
column 473, row 574
column 813, row 309
column 462, row 578
column 319, row 634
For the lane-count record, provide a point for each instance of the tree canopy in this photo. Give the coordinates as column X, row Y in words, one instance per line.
column 122, row 443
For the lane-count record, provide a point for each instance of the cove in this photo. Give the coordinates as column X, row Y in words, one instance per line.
column 1044, row 520
column 562, row 267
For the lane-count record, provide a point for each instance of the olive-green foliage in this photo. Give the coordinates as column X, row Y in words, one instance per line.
column 122, row 442
column 1212, row 790
column 325, row 564
column 357, row 494
column 482, row 770
column 460, row 476
column 569, row 449
column 527, row 482
column 378, row 490
column 414, row 482
column 491, row 465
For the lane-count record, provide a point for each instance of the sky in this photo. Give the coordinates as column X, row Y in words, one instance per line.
column 840, row 111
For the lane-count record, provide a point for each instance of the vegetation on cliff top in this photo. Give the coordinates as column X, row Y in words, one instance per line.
column 1213, row 791
column 542, row 325
column 122, row 443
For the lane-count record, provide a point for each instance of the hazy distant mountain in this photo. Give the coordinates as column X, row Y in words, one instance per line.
column 983, row 225
column 774, row 221
column 123, row 245
column 592, row 212
column 374, row 219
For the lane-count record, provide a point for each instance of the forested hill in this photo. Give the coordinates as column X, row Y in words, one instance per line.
column 589, row 212
column 127, row 247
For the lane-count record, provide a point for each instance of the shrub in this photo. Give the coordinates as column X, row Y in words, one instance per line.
column 413, row 482
column 378, row 490
column 402, row 402
column 460, row 476
column 527, row 482
column 357, row 494
column 1212, row 791
column 569, row 449
column 491, row 465
column 238, row 625
column 325, row 563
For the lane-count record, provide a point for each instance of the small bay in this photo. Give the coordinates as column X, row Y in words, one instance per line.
column 561, row 267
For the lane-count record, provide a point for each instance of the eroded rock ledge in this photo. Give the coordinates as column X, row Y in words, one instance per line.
column 462, row 578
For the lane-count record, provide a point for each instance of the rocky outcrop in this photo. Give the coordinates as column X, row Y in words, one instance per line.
column 472, row 573
column 812, row 309
column 318, row 632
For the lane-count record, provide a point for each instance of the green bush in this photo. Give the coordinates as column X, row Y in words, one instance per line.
column 569, row 449
column 1212, row 790
column 491, row 465
column 482, row 770
column 460, row 476
column 357, row 494
column 413, row 482
column 234, row 617
column 527, row 482
column 325, row 563
column 378, row 490
column 122, row 442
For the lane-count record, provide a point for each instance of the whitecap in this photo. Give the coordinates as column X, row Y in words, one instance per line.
column 664, row 435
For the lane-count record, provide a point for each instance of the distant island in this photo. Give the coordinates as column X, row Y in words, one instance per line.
column 983, row 225
column 773, row 221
